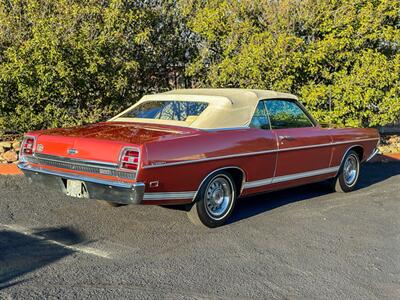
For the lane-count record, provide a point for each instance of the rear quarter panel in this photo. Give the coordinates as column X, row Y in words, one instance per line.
column 200, row 150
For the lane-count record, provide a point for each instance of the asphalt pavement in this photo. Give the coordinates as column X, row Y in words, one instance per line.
column 302, row 243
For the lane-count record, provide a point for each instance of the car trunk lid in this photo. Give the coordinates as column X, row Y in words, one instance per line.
column 102, row 141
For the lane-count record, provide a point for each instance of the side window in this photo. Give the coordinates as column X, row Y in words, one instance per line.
column 260, row 117
column 287, row 114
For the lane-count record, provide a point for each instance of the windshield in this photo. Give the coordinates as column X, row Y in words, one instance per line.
column 166, row 110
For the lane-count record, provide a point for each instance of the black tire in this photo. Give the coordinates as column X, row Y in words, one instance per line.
column 344, row 182
column 215, row 201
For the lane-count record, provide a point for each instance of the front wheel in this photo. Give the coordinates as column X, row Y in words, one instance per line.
column 215, row 201
column 349, row 173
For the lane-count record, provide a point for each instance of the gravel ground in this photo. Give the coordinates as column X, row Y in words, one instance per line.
column 301, row 243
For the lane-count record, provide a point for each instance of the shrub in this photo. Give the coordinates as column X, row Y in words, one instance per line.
column 66, row 62
column 341, row 57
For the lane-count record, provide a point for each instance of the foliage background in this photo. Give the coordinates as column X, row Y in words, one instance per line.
column 68, row 62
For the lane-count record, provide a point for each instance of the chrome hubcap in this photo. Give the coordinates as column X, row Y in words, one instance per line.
column 218, row 197
column 350, row 170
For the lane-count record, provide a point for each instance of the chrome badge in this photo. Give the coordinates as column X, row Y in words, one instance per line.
column 39, row 148
column 72, row 151
column 105, row 172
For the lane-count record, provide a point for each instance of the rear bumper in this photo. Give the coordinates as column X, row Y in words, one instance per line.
column 117, row 192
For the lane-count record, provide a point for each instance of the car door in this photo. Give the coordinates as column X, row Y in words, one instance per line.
column 304, row 149
column 262, row 169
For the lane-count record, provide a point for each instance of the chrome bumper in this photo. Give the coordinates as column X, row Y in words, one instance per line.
column 375, row 152
column 117, row 192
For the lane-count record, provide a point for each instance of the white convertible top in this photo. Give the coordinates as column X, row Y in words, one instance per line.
column 226, row 107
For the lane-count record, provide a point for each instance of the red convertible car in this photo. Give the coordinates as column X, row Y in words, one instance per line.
column 200, row 147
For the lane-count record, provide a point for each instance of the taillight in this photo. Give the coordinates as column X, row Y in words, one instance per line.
column 129, row 159
column 28, row 146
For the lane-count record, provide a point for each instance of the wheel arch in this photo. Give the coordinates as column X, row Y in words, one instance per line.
column 237, row 173
column 359, row 149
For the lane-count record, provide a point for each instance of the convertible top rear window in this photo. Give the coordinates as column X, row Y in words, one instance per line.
column 167, row 110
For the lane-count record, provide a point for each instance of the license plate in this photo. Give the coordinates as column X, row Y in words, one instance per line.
column 76, row 188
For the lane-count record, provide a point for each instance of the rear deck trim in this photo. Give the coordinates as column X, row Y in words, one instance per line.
column 88, row 166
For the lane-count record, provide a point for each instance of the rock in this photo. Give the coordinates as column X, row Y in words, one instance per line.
column 393, row 140
column 5, row 145
column 390, row 149
column 10, row 156
column 16, row 145
column 2, row 150
column 384, row 149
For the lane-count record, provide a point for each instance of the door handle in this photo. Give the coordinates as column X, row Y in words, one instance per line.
column 287, row 137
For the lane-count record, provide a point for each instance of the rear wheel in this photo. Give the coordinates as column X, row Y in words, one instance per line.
column 349, row 173
column 215, row 201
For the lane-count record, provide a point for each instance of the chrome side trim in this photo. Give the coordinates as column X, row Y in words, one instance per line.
column 374, row 152
column 305, row 174
column 168, row 195
column 257, row 183
column 314, row 146
column 226, row 128
column 207, row 159
column 355, row 141
column 168, row 164
column 27, row 167
column 268, row 181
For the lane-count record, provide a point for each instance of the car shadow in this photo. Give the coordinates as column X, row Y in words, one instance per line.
column 371, row 173
column 22, row 253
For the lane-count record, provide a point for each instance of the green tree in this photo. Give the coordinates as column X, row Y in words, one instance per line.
column 67, row 62
column 71, row 62
column 341, row 57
